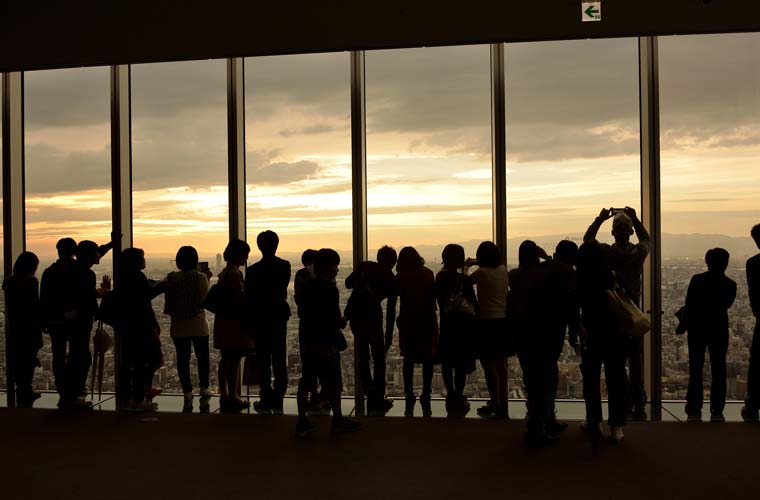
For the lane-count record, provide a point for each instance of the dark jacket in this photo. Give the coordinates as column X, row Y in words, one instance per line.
column 56, row 297
column 136, row 315
column 266, row 290
column 370, row 285
column 708, row 299
column 22, row 311
column 753, row 283
column 320, row 314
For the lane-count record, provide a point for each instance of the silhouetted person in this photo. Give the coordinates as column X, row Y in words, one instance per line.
column 534, row 348
column 58, row 305
column 559, row 313
column 299, row 280
column 602, row 345
column 24, row 324
column 185, row 291
column 492, row 345
column 267, row 298
column 137, row 328
column 370, row 284
column 417, row 325
column 459, row 308
column 80, row 308
column 751, row 410
column 705, row 317
column 627, row 259
column 231, row 337
column 322, row 339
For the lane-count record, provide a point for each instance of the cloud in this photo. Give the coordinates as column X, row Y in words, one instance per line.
column 319, row 128
column 282, row 172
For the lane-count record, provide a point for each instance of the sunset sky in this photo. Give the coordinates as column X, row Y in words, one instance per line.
column 572, row 144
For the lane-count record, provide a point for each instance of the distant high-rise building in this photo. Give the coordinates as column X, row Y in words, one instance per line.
column 218, row 262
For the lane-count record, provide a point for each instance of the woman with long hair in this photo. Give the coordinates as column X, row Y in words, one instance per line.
column 417, row 325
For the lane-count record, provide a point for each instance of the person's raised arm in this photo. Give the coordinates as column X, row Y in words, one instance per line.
column 641, row 232
column 593, row 229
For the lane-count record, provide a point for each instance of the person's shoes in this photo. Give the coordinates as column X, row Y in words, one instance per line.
column 187, row 407
column 304, row 428
column 277, row 410
column 486, row 410
column 717, row 417
column 139, row 406
column 539, row 440
column 694, row 416
column 427, row 410
column 501, row 412
column 639, row 414
column 387, row 404
column 588, row 427
column 229, row 406
column 262, row 407
column 344, row 425
column 409, row 408
column 616, row 434
column 750, row 414
column 555, row 428
column 204, row 405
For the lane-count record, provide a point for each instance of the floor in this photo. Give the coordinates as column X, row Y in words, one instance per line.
column 104, row 454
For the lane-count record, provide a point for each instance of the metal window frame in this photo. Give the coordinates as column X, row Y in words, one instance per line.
column 236, row 147
column 14, row 217
column 498, row 149
column 649, row 108
column 358, row 187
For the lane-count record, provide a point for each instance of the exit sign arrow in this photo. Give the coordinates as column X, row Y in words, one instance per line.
column 591, row 11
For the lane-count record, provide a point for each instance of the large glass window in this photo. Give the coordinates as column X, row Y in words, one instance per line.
column 67, row 172
column 179, row 165
column 429, row 160
column 710, row 150
column 572, row 115
column 298, row 160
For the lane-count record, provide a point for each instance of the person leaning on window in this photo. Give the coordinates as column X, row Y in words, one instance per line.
column 232, row 340
column 185, row 291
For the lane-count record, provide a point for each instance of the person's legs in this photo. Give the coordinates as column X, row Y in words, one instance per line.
column 694, row 394
column 635, row 357
column 279, row 363
column 408, row 374
column 234, row 380
column 361, row 345
column 718, row 349
column 502, row 377
column 591, row 369
column 427, row 380
column 183, row 346
column 492, row 383
column 200, row 345
column 59, row 339
column 460, row 379
column 264, row 357
column 447, row 372
column 24, row 362
column 78, row 364
column 614, row 372
column 224, row 393
column 377, row 346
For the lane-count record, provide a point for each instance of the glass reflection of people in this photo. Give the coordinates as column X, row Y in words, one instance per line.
column 627, row 259
column 24, row 323
column 705, row 318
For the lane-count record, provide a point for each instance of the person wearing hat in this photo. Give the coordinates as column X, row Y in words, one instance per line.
column 627, row 260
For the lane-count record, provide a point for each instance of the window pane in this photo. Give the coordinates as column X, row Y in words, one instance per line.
column 709, row 111
column 68, row 172
column 429, row 160
column 179, row 165
column 298, row 156
column 572, row 148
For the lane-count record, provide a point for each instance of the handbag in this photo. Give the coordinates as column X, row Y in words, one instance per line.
column 629, row 319
column 456, row 304
column 214, row 301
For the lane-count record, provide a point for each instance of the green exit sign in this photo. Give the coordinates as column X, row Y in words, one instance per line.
column 591, row 11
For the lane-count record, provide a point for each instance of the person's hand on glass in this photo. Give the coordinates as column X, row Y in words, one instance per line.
column 106, row 283
column 470, row 262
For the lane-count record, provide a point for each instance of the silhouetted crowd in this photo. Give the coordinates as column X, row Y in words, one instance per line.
column 472, row 310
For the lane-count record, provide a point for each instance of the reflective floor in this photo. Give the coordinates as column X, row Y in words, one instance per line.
column 572, row 410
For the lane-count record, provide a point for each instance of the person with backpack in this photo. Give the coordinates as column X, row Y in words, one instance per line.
column 186, row 290
column 459, row 308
